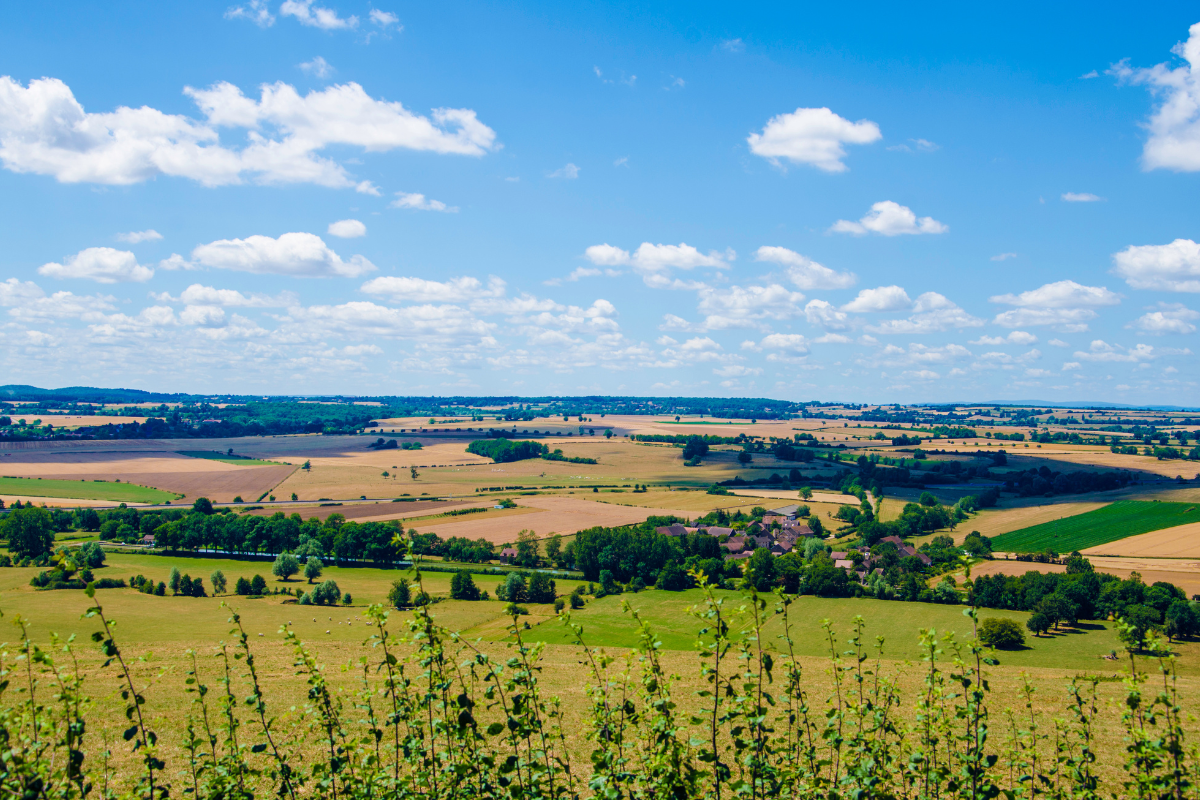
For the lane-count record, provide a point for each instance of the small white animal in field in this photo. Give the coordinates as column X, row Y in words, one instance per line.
column 327, row 631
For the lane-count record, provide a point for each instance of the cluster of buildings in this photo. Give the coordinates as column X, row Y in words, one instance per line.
column 779, row 530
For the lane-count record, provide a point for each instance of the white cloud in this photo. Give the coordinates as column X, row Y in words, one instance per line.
column 1170, row 318
column 100, row 264
column 656, row 259
column 134, row 237
column 812, row 136
column 746, row 307
column 890, row 219
column 384, row 19
column 1003, row 256
column 1101, row 350
column 882, row 298
column 1173, row 267
column 931, row 313
column 1059, row 343
column 1071, row 366
column 570, row 172
column 1174, row 127
column 1061, row 294
column 347, row 229
column 1016, row 337
column 785, row 344
column 803, row 271
column 823, row 314
column 924, row 145
column 1081, row 197
column 1068, row 320
column 177, row 262
column 733, row 45
column 256, row 11
column 1089, row 75
column 299, row 255
column 16, row 292
column 419, row 290
column 318, row 67
column 315, row 16
column 200, row 295
column 44, row 130
column 419, row 202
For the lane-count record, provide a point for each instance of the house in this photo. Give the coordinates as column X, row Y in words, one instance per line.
column 781, row 547
column 738, row 556
column 507, row 555
column 844, row 563
column 672, row 530
column 838, row 555
column 715, row 531
column 148, row 540
column 761, row 541
column 783, row 512
column 733, row 545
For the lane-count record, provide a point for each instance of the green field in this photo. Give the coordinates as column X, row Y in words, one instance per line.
column 1104, row 525
column 156, row 623
column 84, row 490
column 225, row 458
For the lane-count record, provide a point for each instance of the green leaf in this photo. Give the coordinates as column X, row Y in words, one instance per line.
column 130, row 733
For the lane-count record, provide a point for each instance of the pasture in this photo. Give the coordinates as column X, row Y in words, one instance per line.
column 1101, row 526
column 83, row 489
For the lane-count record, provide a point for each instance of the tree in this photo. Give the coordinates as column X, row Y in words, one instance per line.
column 286, row 565
column 242, row 586
column 1138, row 620
column 672, row 578
column 554, row 549
column 760, row 571
column 30, row 532
column 258, row 585
column 89, row 519
column 1038, row 622
column 928, row 499
column 173, row 581
column 218, row 582
column 1181, row 621
column 744, row 457
column 541, row 588
column 91, row 554
column 202, row 506
column 1001, row 633
column 695, row 448
column 462, row 586
column 413, row 471
column 608, row 583
column 806, row 493
column 513, row 590
column 527, row 549
column 327, row 594
column 1078, row 565
column 313, row 568
column 400, row 595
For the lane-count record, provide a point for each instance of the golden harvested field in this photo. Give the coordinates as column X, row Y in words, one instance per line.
column 994, row 521
column 79, row 420
column 1182, row 573
column 1182, row 541
column 556, row 514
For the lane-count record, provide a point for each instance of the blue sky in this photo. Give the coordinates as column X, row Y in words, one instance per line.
column 865, row 204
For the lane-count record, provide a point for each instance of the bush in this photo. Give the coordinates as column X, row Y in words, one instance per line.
column 401, row 595
column 559, row 604
column 242, row 586
column 1001, row 633
column 258, row 585
column 347, row 599
column 327, row 594
column 218, row 582
column 462, row 587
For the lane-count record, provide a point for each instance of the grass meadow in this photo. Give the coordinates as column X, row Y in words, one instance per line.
column 1101, row 526
column 84, row 490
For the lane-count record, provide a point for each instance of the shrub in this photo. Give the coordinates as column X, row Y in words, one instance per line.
column 400, row 595
column 1001, row 633
column 347, row 599
column 327, row 594
column 242, row 586
column 258, row 585
column 462, row 587
column 218, row 582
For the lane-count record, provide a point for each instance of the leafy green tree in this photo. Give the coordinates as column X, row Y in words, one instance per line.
column 1138, row 621
column 218, row 582
column 1181, row 621
column 744, row 457
column 806, row 493
column 258, row 585
column 513, row 589
column 527, row 549
column 313, row 568
column 400, row 595
column 1001, row 633
column 90, row 554
column 672, row 578
column 286, row 565
column 1038, row 622
column 327, row 594
column 30, row 532
column 202, row 506
column 760, row 570
column 242, row 586
column 554, row 548
column 462, row 587
column 541, row 588
column 174, row 580
column 608, row 583
column 695, row 448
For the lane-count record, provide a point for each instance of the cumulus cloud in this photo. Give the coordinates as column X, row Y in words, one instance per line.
column 134, row 237
column 1170, row 318
column 384, row 19
column 256, row 11
column 1174, row 127
column 44, row 130
column 890, row 219
column 419, row 202
column 824, row 315
column 1101, row 350
column 100, row 264
column 813, row 136
column 1003, row 256
column 657, row 259
column 1173, row 267
column 420, row 290
column 570, row 172
column 747, row 307
column 1081, row 197
column 298, row 255
column 347, row 229
column 931, row 313
column 318, row 67
column 882, row 298
column 307, row 13
column 1016, row 337
column 1065, row 305
column 200, row 295
column 803, row 271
